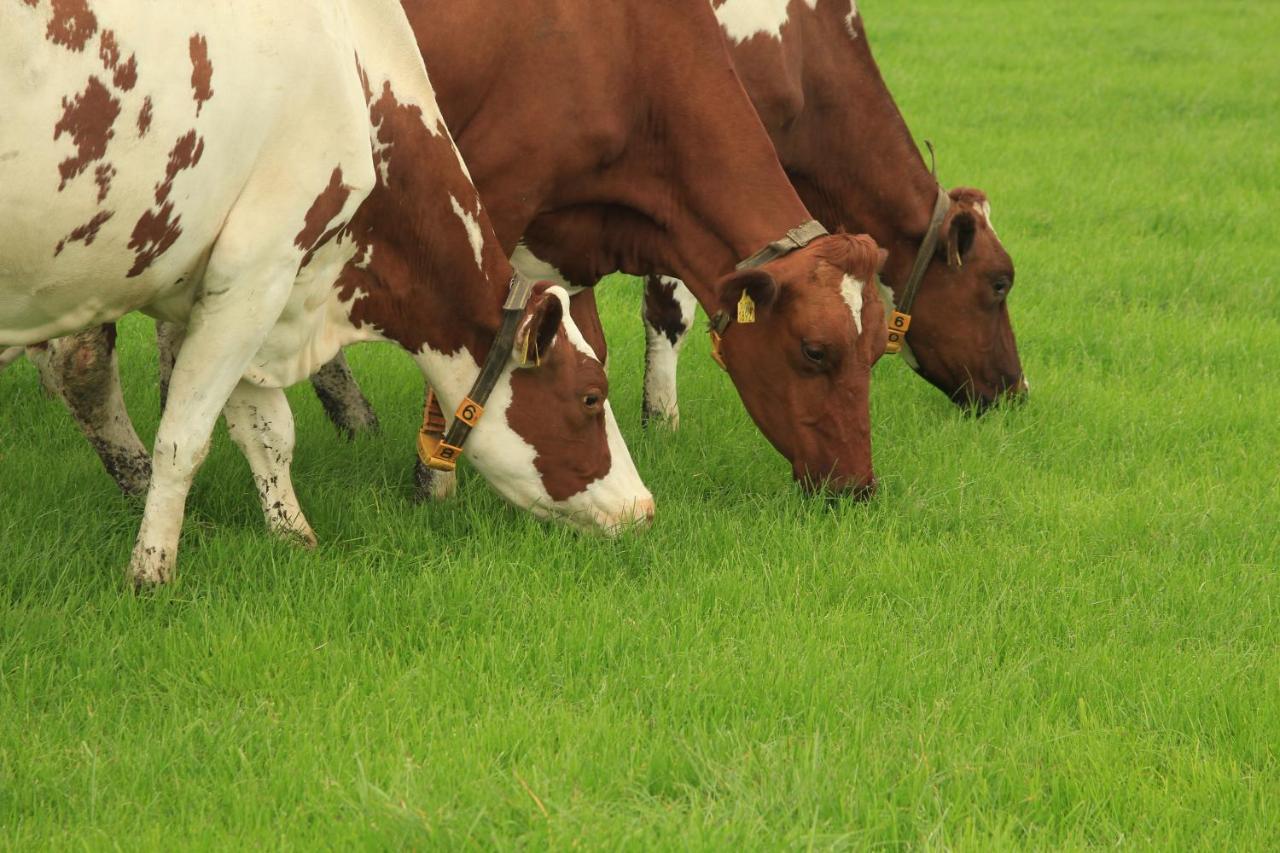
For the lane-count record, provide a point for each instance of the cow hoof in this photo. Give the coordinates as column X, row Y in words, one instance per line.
column 433, row 486
column 297, row 532
column 150, row 568
column 668, row 420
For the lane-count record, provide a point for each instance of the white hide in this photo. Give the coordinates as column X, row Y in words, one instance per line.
column 851, row 291
column 745, row 19
column 474, row 235
column 850, row 18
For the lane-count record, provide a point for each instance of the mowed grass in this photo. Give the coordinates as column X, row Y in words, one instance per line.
column 1057, row 626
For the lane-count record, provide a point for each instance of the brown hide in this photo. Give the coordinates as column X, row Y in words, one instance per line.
column 850, row 155
column 418, row 283
column 616, row 136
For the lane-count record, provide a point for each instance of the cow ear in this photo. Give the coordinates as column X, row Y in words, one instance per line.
column 759, row 288
column 538, row 328
column 959, row 232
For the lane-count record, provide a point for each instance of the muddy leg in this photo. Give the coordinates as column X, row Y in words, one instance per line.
column 343, row 401
column 261, row 423
column 84, row 370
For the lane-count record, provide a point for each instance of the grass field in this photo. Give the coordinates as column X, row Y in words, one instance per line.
column 1057, row 626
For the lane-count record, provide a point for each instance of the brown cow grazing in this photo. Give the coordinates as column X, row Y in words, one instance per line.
column 809, row 71
column 639, row 151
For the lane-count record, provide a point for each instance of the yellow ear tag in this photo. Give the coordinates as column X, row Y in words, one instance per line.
column 537, row 356
column 746, row 309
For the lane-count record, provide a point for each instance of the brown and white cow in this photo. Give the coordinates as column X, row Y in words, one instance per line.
column 277, row 179
column 808, row 69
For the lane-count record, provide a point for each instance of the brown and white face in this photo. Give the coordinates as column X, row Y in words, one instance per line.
column 803, row 368
column 548, row 441
column 961, row 339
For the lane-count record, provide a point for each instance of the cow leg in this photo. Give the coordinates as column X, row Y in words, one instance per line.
column 261, row 423
column 84, row 370
column 343, row 401
column 430, row 484
column 242, row 302
column 668, row 315
column 168, row 342
column 9, row 356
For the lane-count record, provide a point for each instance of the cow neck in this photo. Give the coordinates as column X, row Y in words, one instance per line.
column 652, row 163
column 851, row 141
column 433, row 276
column 727, row 196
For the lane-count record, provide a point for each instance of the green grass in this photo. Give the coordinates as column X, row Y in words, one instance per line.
column 1057, row 626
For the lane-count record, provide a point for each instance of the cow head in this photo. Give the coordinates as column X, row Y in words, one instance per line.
column 803, row 366
column 961, row 340
column 548, row 440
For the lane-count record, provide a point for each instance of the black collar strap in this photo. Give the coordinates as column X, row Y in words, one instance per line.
column 900, row 320
column 442, row 454
column 796, row 238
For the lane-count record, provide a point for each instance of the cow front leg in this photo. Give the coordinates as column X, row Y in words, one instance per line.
column 224, row 332
column 84, row 370
column 668, row 315
column 261, row 423
column 343, row 401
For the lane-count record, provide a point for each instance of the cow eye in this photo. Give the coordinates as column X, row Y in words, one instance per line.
column 592, row 400
column 1001, row 285
column 814, row 354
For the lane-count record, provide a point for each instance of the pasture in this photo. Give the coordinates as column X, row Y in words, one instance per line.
column 1056, row 626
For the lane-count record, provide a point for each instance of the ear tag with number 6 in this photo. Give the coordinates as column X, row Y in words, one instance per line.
column 746, row 309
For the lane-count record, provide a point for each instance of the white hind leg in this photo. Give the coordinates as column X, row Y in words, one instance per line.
column 668, row 316
column 261, row 423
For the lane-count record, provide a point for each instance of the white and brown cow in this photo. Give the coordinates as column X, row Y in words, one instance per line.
column 277, row 178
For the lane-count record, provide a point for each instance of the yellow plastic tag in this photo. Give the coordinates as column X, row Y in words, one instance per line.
column 746, row 309
column 530, row 343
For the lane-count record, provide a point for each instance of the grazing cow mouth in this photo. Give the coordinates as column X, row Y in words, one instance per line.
column 638, row 516
column 1014, row 394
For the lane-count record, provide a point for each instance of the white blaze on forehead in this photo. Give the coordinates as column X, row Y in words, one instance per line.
column 744, row 19
column 474, row 235
column 851, row 290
